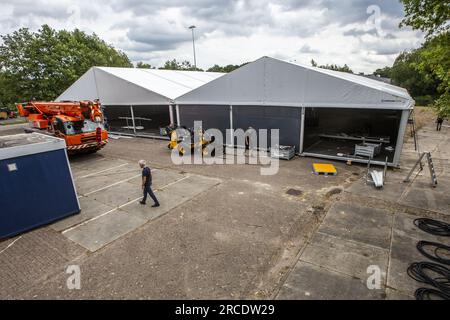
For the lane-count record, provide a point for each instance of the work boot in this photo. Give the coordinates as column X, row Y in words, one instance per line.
column 141, row 202
column 155, row 205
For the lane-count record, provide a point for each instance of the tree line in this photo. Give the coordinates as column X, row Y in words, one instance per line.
column 40, row 65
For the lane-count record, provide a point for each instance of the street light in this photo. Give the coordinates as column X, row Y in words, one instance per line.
column 193, row 45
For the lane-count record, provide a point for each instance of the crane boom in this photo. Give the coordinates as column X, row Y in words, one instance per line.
column 80, row 123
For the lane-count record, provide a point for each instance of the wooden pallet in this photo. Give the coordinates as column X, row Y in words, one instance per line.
column 325, row 169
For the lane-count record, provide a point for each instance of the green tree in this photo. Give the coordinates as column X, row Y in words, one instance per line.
column 143, row 65
column 335, row 67
column 226, row 69
column 40, row 65
column 175, row 65
column 421, row 84
column 383, row 72
column 432, row 17
column 435, row 59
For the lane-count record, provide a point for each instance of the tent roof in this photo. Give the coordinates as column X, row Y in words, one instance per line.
column 126, row 86
column 269, row 81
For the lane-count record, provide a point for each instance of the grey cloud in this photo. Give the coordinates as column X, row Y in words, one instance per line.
column 307, row 49
column 388, row 47
column 360, row 32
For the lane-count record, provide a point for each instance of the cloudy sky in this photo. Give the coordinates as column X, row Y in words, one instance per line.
column 362, row 33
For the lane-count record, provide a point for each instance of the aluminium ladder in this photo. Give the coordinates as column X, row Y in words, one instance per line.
column 430, row 167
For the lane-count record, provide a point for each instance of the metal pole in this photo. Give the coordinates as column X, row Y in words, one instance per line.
column 177, row 110
column 132, row 119
column 193, row 45
column 401, row 134
column 172, row 122
column 302, row 131
column 231, row 126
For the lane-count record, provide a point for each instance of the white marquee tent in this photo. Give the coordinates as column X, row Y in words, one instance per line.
column 136, row 94
column 321, row 112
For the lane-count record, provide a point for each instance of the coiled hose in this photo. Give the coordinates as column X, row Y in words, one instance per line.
column 435, row 227
column 429, row 272
column 438, row 248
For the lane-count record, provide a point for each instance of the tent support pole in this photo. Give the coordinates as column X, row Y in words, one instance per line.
column 302, row 130
column 177, row 110
column 231, row 125
column 401, row 134
column 171, row 114
column 132, row 119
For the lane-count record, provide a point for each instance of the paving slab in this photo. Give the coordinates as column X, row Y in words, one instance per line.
column 392, row 294
column 392, row 190
column 349, row 257
column 118, row 195
column 90, row 208
column 352, row 222
column 93, row 185
column 310, row 282
column 253, row 208
column 404, row 226
column 170, row 258
column 160, row 178
column 120, row 171
column 97, row 233
column 428, row 199
column 403, row 253
column 90, row 161
column 171, row 196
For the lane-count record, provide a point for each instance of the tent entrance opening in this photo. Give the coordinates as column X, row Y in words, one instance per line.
column 347, row 133
column 139, row 120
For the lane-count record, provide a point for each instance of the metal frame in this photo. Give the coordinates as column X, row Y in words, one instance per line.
column 231, row 126
column 177, row 110
column 302, row 131
column 132, row 120
column 171, row 114
column 400, row 136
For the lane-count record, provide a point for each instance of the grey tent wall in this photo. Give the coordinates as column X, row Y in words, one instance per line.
column 217, row 116
column 286, row 119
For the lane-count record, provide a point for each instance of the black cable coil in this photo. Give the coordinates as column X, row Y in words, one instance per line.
column 438, row 247
column 438, row 228
column 422, row 272
column 427, row 294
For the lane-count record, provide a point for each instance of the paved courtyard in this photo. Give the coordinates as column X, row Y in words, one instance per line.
column 226, row 232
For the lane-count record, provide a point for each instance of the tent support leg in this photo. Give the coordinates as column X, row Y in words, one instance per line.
column 302, row 131
column 171, row 114
column 177, row 110
column 132, row 119
column 401, row 134
column 231, row 125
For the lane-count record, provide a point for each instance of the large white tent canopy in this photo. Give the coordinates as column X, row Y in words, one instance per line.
column 273, row 82
column 130, row 86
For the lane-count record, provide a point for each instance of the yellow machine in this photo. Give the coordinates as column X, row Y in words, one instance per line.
column 176, row 142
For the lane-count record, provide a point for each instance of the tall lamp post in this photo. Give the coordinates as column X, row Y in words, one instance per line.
column 193, row 45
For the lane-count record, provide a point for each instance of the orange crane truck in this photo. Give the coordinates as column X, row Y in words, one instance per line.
column 79, row 123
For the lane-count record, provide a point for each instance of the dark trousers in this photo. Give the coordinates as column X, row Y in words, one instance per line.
column 439, row 126
column 148, row 190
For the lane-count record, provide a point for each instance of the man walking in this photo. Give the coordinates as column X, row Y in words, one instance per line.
column 439, row 121
column 147, row 184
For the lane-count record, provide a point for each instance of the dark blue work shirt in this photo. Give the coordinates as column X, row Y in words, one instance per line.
column 146, row 172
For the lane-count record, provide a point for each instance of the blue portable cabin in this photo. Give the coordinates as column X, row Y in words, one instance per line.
column 36, row 183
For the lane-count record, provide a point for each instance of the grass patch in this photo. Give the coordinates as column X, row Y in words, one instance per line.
column 8, row 123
